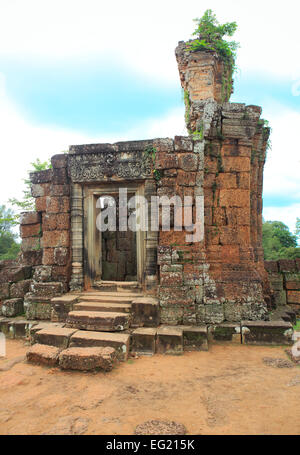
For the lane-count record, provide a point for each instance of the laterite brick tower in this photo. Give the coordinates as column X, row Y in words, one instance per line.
column 234, row 140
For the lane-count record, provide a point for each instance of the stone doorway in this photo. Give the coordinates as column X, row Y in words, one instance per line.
column 118, row 249
column 111, row 255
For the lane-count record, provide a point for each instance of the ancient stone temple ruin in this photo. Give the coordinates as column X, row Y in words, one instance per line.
column 154, row 290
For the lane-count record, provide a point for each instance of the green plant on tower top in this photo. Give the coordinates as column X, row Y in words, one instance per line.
column 211, row 36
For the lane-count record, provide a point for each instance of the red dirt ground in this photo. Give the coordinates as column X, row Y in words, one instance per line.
column 228, row 390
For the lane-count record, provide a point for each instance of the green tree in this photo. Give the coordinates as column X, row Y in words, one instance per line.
column 211, row 35
column 9, row 248
column 279, row 242
column 28, row 202
column 297, row 230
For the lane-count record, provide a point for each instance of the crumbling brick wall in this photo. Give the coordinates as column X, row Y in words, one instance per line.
column 222, row 278
column 15, row 281
column 284, row 276
column 45, row 237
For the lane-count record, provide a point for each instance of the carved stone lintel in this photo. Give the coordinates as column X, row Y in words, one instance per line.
column 95, row 167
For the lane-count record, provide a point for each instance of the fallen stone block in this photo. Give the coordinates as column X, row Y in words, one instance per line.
column 15, row 273
column 12, row 307
column 61, row 306
column 119, row 341
column 169, row 341
column 38, row 310
column 194, row 338
column 54, row 336
column 225, row 332
column 52, row 289
column 145, row 312
column 267, row 332
column 42, row 354
column 144, row 341
column 18, row 290
column 87, row 359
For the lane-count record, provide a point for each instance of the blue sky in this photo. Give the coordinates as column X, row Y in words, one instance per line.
column 88, row 71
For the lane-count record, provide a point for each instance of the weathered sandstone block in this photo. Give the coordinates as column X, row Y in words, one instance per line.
column 41, row 354
column 18, row 290
column 30, row 218
column 86, row 359
column 12, row 307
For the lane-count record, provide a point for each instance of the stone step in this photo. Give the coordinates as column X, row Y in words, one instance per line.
column 109, row 294
column 54, row 336
column 144, row 341
column 169, row 340
column 194, row 338
column 42, row 354
column 267, row 332
column 98, row 321
column 116, row 286
column 125, row 284
column 40, row 325
column 106, row 298
column 87, row 359
column 119, row 341
column 102, row 306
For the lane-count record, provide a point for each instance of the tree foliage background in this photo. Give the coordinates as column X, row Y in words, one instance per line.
column 9, row 247
column 279, row 242
column 9, row 219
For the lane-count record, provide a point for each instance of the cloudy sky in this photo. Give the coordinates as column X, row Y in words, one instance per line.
column 81, row 71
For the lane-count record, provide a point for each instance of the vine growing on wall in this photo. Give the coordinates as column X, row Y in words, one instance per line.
column 150, row 153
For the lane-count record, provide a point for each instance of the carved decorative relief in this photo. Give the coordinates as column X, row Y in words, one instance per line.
column 92, row 167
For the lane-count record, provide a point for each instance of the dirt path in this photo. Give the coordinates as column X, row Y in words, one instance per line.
column 228, row 390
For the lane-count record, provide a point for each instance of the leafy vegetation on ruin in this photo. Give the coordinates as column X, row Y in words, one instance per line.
column 211, row 36
column 150, row 153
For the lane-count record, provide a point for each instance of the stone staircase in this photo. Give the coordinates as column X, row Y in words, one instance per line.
column 104, row 311
column 102, row 326
column 97, row 319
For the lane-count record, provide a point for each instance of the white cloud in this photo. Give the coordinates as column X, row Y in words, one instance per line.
column 282, row 169
column 21, row 142
column 143, row 34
